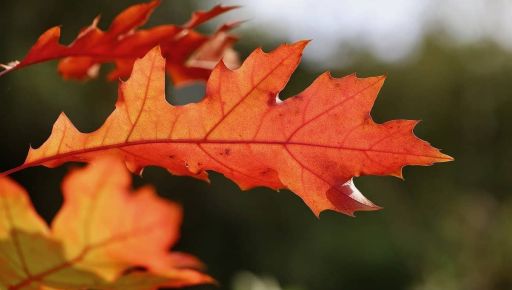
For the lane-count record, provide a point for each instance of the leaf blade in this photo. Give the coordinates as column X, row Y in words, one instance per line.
column 124, row 42
column 102, row 231
column 313, row 143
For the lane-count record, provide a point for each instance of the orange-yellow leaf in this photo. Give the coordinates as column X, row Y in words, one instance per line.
column 313, row 143
column 100, row 237
column 124, row 42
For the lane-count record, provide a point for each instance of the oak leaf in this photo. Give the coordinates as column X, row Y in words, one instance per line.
column 103, row 237
column 123, row 42
column 313, row 143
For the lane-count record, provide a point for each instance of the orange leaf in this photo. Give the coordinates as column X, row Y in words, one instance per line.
column 100, row 237
column 313, row 143
column 123, row 42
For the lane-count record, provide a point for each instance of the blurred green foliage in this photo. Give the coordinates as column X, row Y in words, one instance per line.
column 445, row 227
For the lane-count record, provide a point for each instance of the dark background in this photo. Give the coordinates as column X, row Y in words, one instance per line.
column 448, row 226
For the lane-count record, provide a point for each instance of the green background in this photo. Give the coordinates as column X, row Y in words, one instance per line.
column 445, row 227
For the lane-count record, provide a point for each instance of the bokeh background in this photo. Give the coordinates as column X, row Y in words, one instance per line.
column 449, row 63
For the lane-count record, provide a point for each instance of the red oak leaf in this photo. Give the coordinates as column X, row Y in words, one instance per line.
column 99, row 239
column 313, row 143
column 123, row 43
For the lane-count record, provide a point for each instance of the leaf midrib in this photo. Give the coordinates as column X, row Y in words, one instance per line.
column 202, row 142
